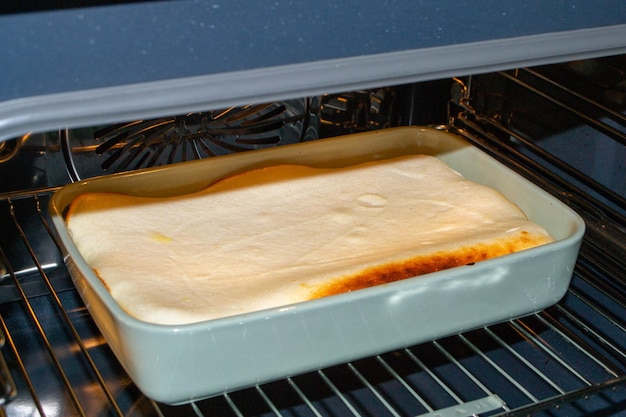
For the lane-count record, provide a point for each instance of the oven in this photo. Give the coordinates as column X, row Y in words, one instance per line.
column 544, row 93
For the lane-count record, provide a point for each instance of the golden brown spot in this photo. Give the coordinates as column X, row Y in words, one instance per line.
column 421, row 265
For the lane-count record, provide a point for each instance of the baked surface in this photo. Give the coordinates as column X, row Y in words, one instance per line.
column 289, row 233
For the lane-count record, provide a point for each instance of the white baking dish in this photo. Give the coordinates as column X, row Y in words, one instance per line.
column 175, row 364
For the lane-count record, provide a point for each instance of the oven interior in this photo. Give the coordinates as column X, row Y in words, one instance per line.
column 562, row 126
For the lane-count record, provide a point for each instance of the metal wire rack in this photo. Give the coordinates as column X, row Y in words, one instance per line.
column 568, row 360
column 62, row 366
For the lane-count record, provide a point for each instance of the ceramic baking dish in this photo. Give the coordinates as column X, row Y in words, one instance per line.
column 176, row 364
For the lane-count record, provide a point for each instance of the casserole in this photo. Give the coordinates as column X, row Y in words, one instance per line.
column 177, row 364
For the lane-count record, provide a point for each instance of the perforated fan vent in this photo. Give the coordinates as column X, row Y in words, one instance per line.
column 154, row 142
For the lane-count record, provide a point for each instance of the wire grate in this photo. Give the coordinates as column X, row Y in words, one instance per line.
column 497, row 369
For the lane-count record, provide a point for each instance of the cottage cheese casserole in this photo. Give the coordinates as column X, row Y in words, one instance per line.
column 283, row 234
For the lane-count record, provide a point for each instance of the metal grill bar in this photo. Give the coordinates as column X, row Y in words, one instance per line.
column 508, row 376
column 233, row 406
column 603, row 127
column 338, row 393
column 267, row 401
column 551, row 353
column 36, row 321
column 605, row 315
column 587, row 350
column 61, row 309
column 303, row 397
column 587, row 328
column 526, row 362
column 589, row 267
column 606, row 109
column 432, row 375
column 469, row 374
column 539, row 173
column 196, row 410
column 22, row 367
column 405, row 385
column 373, row 390
column 9, row 391
column 560, row 164
column 558, row 401
column 64, row 314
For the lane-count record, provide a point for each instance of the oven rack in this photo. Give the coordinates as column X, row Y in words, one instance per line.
column 568, row 358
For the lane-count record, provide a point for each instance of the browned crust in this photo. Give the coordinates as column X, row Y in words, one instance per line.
column 421, row 265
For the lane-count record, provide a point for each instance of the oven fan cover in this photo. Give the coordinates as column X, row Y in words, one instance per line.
column 147, row 143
